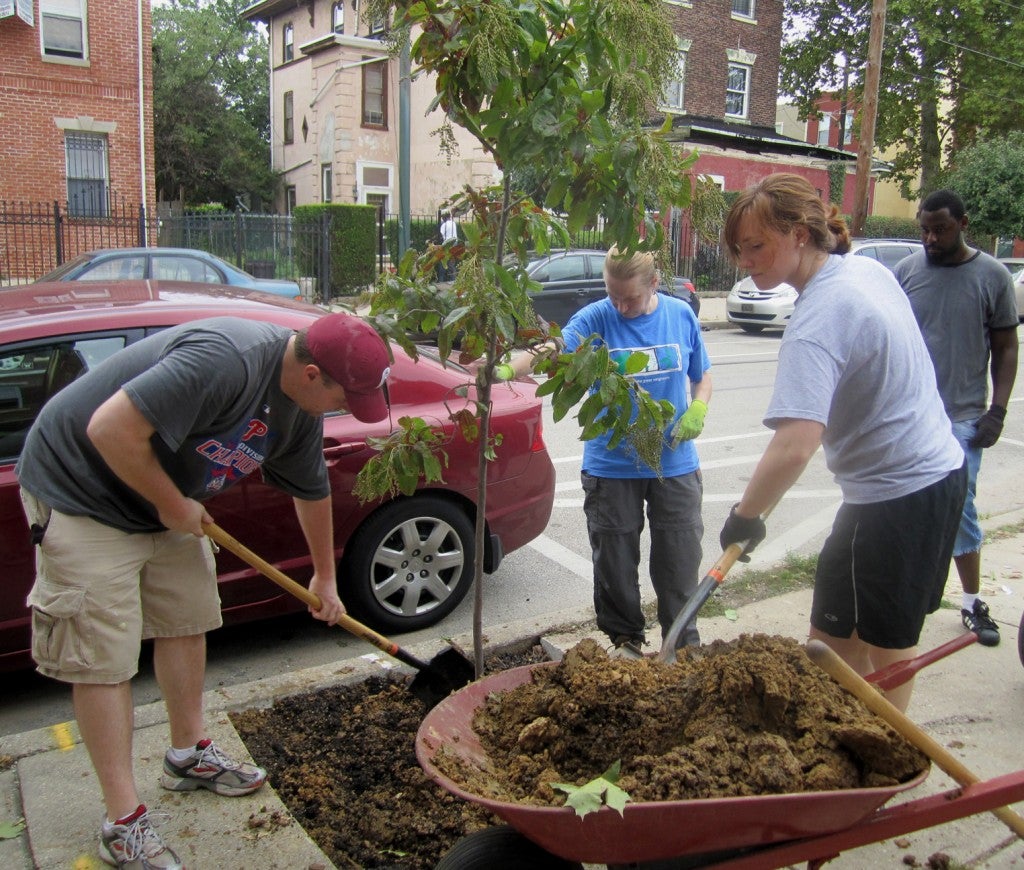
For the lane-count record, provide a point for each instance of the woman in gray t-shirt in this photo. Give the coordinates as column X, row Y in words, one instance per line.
column 853, row 377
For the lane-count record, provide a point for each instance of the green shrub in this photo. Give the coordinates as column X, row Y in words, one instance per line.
column 422, row 231
column 353, row 234
column 881, row 227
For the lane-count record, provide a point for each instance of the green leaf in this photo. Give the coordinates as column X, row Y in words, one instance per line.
column 731, row 615
column 11, row 830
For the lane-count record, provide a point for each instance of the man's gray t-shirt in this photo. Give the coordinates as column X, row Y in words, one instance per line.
column 957, row 306
column 211, row 389
column 852, row 358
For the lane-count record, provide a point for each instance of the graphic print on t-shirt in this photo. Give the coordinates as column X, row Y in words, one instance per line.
column 661, row 358
column 233, row 457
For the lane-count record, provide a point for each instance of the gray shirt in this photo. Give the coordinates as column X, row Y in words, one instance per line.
column 852, row 359
column 957, row 306
column 211, row 390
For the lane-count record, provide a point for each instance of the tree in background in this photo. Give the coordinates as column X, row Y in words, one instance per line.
column 559, row 92
column 211, row 104
column 989, row 176
column 950, row 73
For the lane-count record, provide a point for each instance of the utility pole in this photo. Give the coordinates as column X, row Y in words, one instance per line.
column 872, row 74
column 404, row 96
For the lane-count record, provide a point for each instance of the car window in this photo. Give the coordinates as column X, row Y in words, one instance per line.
column 176, row 267
column 890, row 255
column 115, row 269
column 568, row 268
column 30, row 375
column 596, row 263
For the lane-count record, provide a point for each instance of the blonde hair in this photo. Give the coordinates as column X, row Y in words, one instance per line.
column 782, row 201
column 640, row 265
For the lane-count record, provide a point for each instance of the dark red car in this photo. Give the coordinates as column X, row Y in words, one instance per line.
column 51, row 332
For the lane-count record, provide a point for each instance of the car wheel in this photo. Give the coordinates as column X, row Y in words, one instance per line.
column 752, row 328
column 410, row 564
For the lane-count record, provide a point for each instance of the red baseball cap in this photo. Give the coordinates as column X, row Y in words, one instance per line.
column 351, row 353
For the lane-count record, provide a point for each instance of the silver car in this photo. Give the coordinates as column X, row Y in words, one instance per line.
column 753, row 310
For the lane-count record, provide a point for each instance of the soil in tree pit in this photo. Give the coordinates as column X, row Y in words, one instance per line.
column 747, row 717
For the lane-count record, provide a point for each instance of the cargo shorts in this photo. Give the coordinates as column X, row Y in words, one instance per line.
column 99, row 592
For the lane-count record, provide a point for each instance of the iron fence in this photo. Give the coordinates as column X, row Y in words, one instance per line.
column 36, row 238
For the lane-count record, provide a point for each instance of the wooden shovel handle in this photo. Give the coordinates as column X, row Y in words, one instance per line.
column 223, row 539
column 827, row 659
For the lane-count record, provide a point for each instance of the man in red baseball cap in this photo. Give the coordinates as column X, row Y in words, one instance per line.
column 117, row 466
column 354, row 356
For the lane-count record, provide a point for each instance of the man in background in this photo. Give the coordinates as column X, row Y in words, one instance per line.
column 964, row 303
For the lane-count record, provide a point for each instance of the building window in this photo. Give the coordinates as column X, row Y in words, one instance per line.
column 377, row 25
column 326, row 182
column 338, row 17
column 824, row 128
column 88, row 173
column 675, row 90
column 375, row 94
column 288, row 43
column 737, row 90
column 62, row 26
column 743, row 8
column 848, row 128
column 290, row 199
column 289, row 117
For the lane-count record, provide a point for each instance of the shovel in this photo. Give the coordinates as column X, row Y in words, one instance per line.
column 712, row 580
column 445, row 673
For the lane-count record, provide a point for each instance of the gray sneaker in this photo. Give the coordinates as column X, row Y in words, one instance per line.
column 213, row 769
column 136, row 844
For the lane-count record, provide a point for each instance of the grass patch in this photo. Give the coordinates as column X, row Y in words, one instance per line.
column 1004, row 532
column 755, row 584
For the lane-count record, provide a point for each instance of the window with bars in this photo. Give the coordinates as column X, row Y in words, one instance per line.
column 675, row 90
column 62, row 28
column 289, row 117
column 287, row 43
column 88, row 174
column 737, row 90
column 375, row 93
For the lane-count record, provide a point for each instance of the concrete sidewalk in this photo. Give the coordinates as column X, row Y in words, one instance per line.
column 971, row 702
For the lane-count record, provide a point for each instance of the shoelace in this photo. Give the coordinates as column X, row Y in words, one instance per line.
column 140, row 837
column 213, row 753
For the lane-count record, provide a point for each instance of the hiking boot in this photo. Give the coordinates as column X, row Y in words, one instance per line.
column 981, row 624
column 134, row 843
column 626, row 648
column 211, row 768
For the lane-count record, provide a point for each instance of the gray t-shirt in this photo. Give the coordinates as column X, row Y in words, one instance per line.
column 957, row 307
column 211, row 389
column 852, row 358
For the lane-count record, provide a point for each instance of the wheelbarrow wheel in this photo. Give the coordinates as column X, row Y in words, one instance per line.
column 1020, row 639
column 501, row 848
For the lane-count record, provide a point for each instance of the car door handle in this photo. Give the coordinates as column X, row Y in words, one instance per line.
column 336, row 451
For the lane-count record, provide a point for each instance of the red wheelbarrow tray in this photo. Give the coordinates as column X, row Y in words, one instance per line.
column 652, row 831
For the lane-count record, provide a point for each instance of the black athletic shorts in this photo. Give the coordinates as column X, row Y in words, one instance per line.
column 884, row 565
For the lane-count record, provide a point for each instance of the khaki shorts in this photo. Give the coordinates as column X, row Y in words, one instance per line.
column 99, row 592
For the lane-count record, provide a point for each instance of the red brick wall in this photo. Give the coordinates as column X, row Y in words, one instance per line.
column 34, row 92
column 708, row 23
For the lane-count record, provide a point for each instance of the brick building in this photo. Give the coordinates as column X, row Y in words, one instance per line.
column 76, row 107
column 334, row 105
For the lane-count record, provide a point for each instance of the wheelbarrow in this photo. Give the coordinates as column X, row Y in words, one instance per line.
column 739, row 833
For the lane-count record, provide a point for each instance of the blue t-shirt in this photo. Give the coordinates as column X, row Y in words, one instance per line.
column 670, row 336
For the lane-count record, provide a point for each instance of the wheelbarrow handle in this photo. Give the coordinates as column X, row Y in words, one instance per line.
column 827, row 659
column 225, row 540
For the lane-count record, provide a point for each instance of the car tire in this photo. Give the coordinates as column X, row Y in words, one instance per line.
column 410, row 564
column 752, row 328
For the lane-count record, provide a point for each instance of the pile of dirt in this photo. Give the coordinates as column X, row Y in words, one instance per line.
column 343, row 761
column 753, row 716
column 731, row 719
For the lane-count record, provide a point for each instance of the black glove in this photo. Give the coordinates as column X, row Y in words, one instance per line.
column 738, row 530
column 989, row 427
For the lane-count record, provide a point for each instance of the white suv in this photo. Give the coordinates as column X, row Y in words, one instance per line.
column 753, row 310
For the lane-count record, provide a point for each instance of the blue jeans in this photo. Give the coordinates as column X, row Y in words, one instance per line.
column 968, row 536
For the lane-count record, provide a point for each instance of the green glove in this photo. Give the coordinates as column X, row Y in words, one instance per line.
column 691, row 424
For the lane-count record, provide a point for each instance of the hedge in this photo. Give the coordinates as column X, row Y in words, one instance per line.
column 353, row 245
